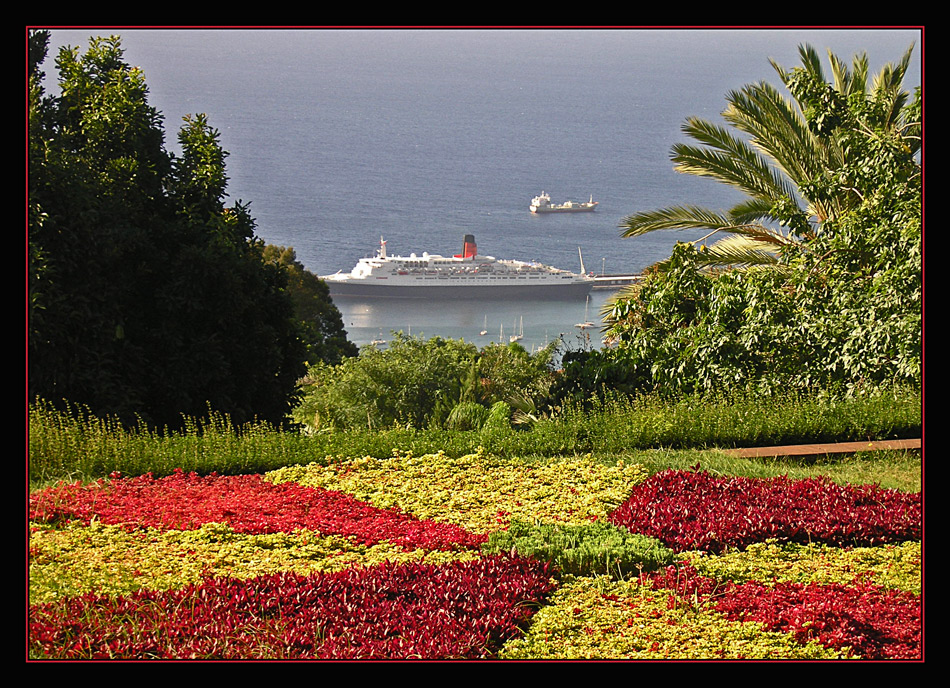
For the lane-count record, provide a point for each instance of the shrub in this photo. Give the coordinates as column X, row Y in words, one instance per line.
column 584, row 550
column 499, row 416
column 467, row 415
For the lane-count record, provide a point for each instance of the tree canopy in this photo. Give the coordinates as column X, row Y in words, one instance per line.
column 419, row 382
column 149, row 296
column 322, row 323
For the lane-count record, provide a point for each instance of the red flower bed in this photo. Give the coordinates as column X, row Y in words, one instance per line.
column 875, row 623
column 695, row 510
column 247, row 503
column 459, row 610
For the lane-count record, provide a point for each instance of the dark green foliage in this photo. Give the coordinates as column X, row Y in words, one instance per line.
column 320, row 320
column 507, row 371
column 687, row 332
column 583, row 550
column 149, row 298
column 417, row 383
column 587, row 375
column 411, row 382
column 467, row 415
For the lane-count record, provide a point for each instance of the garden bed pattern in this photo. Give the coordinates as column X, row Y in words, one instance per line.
column 369, row 559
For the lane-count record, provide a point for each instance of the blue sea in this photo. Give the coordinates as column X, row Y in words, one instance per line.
column 339, row 137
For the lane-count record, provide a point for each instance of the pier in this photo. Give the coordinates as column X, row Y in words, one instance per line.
column 615, row 281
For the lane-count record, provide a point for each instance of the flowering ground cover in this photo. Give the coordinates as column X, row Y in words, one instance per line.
column 458, row 610
column 685, row 510
column 679, row 614
column 246, row 502
column 387, row 559
column 479, row 492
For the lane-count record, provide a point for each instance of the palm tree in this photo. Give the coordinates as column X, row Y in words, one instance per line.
column 777, row 154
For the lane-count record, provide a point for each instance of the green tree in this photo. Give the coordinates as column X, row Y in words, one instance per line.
column 510, row 373
column 412, row 382
column 319, row 318
column 96, row 169
column 419, row 382
column 149, row 296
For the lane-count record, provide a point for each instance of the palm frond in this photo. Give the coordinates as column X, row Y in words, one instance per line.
column 753, row 210
column 859, row 75
column 849, row 81
column 777, row 128
column 887, row 88
column 892, row 75
column 762, row 235
column 677, row 217
column 739, row 252
column 770, row 153
column 727, row 159
column 810, row 60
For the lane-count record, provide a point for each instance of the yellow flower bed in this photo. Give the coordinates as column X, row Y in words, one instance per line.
column 600, row 618
column 479, row 492
column 894, row 567
column 77, row 559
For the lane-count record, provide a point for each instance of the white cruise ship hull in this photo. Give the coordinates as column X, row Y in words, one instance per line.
column 454, row 288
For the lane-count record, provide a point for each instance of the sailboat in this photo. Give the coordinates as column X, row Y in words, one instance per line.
column 484, row 327
column 520, row 333
column 587, row 321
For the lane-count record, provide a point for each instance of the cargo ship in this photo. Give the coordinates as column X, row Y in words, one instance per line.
column 467, row 275
column 542, row 204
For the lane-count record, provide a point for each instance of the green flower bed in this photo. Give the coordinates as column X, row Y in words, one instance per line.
column 593, row 548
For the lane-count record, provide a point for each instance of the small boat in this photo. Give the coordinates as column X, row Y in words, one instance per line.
column 587, row 321
column 519, row 333
column 542, row 204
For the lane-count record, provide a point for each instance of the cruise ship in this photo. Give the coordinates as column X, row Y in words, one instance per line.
column 467, row 275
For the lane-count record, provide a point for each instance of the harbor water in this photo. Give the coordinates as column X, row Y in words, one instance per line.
column 340, row 137
column 535, row 323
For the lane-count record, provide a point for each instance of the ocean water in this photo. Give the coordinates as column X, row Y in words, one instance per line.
column 340, row 137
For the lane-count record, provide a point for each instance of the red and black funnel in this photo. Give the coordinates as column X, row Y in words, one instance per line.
column 469, row 249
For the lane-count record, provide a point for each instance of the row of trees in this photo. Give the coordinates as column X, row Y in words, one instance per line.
column 149, row 296
column 818, row 280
